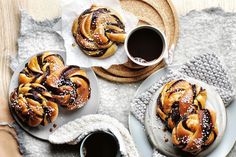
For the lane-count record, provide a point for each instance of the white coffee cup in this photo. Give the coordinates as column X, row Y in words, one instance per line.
column 164, row 53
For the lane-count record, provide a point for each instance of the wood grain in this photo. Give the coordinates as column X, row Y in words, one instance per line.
column 41, row 9
column 9, row 26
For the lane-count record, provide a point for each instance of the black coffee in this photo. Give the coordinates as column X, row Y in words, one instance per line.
column 101, row 144
column 145, row 45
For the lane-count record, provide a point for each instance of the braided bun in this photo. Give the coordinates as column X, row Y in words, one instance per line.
column 39, row 67
column 179, row 98
column 195, row 131
column 33, row 104
column 98, row 30
column 70, row 87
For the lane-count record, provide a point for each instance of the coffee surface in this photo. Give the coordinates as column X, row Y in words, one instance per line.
column 101, row 145
column 145, row 45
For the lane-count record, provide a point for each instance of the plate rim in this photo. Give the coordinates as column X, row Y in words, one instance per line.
column 141, row 89
column 64, row 56
column 219, row 103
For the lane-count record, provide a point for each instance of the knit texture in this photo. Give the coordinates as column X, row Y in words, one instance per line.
column 201, row 32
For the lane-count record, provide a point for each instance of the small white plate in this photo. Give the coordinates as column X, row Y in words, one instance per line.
column 154, row 126
column 64, row 116
column 144, row 146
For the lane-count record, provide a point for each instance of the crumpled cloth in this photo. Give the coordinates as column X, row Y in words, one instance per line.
column 38, row 36
column 75, row 131
column 210, row 30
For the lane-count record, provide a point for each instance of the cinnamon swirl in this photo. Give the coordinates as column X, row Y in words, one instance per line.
column 33, row 104
column 195, row 132
column 70, row 87
column 179, row 98
column 39, row 67
column 98, row 31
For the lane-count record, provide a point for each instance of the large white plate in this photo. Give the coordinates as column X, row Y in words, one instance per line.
column 141, row 140
column 157, row 134
column 64, row 116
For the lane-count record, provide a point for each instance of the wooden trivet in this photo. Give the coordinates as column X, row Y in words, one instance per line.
column 159, row 13
column 106, row 75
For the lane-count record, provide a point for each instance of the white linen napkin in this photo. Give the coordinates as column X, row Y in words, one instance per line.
column 75, row 131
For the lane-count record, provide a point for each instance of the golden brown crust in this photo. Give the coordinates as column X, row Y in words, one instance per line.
column 177, row 99
column 44, row 83
column 70, row 87
column 39, row 67
column 181, row 105
column 98, row 31
column 33, row 104
column 195, row 132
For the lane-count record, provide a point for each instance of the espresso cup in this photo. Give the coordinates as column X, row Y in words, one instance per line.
column 146, row 45
column 100, row 144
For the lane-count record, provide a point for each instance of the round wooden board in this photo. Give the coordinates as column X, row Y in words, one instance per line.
column 159, row 13
column 106, row 75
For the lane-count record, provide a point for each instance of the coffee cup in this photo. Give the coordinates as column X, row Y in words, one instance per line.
column 100, row 143
column 146, row 45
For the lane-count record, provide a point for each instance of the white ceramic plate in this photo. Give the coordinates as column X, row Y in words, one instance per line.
column 64, row 116
column 144, row 146
column 154, row 126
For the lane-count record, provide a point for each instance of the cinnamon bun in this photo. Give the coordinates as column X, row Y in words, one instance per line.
column 98, row 31
column 39, row 67
column 70, row 87
column 33, row 104
column 178, row 98
column 195, row 132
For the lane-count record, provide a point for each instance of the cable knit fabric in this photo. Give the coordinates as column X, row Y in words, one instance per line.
column 201, row 33
column 207, row 31
column 74, row 131
column 139, row 104
column 207, row 68
column 36, row 36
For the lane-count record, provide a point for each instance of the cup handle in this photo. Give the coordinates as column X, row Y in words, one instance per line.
column 168, row 56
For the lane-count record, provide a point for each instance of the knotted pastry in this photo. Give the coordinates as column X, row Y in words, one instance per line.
column 70, row 87
column 39, row 67
column 33, row 104
column 179, row 98
column 195, row 132
column 98, row 30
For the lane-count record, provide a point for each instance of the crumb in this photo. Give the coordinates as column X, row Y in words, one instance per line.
column 164, row 129
column 54, row 125
column 50, row 129
column 74, row 45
